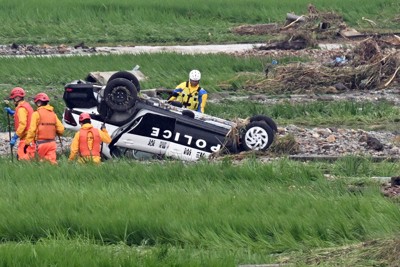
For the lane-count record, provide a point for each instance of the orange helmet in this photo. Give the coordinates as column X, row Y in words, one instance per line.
column 17, row 91
column 84, row 116
column 41, row 97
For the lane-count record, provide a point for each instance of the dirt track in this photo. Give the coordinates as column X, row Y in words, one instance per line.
column 63, row 50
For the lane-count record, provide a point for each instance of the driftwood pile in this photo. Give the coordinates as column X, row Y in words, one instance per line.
column 323, row 25
column 367, row 66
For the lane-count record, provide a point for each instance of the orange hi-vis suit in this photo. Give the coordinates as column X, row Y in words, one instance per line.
column 44, row 128
column 87, row 143
column 22, row 120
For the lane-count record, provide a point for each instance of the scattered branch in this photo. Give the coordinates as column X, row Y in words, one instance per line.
column 293, row 22
column 391, row 79
column 370, row 21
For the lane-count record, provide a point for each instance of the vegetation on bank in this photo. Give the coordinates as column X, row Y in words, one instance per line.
column 168, row 21
column 128, row 213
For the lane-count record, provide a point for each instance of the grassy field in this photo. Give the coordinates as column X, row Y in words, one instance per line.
column 168, row 21
column 128, row 213
column 168, row 213
column 51, row 74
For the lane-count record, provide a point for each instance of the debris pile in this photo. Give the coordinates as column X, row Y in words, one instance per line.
column 15, row 49
column 323, row 25
column 372, row 64
column 367, row 66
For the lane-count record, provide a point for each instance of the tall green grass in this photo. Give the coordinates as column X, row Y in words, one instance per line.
column 170, row 21
column 162, row 69
column 209, row 211
column 218, row 205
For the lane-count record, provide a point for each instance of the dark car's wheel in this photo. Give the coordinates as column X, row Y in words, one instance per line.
column 120, row 94
column 257, row 136
column 267, row 120
column 126, row 75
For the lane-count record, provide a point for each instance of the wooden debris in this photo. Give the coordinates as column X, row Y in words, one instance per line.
column 391, row 79
column 370, row 21
column 348, row 33
column 257, row 29
column 301, row 18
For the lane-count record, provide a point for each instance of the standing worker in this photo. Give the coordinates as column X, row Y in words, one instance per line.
column 87, row 142
column 44, row 128
column 190, row 94
column 22, row 118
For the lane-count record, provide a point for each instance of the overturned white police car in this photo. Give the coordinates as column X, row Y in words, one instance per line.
column 140, row 124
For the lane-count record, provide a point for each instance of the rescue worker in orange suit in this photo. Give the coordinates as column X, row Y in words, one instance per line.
column 22, row 118
column 87, row 142
column 44, row 128
column 190, row 94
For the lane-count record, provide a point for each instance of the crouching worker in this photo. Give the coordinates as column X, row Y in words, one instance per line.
column 87, row 142
column 43, row 129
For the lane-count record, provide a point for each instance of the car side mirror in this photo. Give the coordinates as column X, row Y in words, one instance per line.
column 176, row 104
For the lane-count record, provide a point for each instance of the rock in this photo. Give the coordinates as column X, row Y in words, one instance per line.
column 395, row 181
column 315, row 135
column 341, row 87
column 374, row 143
column 281, row 130
column 258, row 97
column 331, row 139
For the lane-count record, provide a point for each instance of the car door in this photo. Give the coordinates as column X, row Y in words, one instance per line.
column 148, row 132
column 194, row 139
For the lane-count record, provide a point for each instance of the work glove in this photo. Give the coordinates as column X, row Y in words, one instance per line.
column 9, row 111
column 13, row 140
column 25, row 148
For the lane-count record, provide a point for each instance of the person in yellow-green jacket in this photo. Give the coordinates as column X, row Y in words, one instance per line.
column 87, row 141
column 190, row 94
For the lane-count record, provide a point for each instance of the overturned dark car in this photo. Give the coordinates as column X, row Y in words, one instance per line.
column 140, row 124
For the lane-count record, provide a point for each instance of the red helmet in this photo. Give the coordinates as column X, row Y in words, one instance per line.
column 41, row 97
column 17, row 91
column 84, row 116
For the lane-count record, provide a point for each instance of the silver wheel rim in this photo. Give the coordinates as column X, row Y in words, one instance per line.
column 256, row 138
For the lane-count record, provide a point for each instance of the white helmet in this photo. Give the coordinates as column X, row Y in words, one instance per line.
column 195, row 75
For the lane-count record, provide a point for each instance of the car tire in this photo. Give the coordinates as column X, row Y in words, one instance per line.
column 265, row 119
column 257, row 135
column 120, row 94
column 126, row 75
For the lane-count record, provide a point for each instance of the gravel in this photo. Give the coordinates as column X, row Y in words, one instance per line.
column 333, row 142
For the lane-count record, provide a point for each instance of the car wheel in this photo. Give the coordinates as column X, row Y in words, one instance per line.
column 267, row 120
column 126, row 75
column 120, row 94
column 257, row 136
